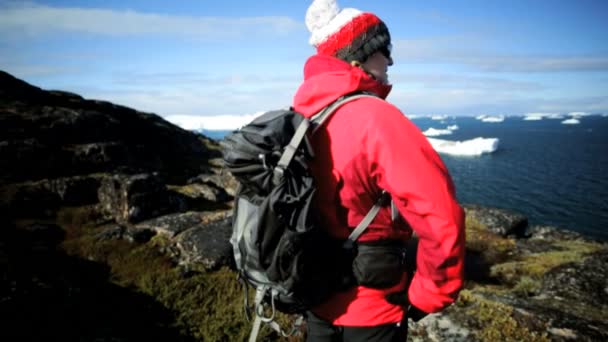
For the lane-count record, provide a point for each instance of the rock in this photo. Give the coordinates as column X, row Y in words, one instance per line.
column 552, row 233
column 172, row 224
column 207, row 192
column 134, row 198
column 222, row 180
column 114, row 232
column 131, row 234
column 207, row 245
column 585, row 282
column 503, row 222
column 23, row 198
column 438, row 327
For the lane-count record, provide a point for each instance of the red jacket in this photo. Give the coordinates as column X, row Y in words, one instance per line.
column 366, row 146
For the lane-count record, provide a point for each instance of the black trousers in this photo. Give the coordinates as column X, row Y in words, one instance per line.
column 319, row 330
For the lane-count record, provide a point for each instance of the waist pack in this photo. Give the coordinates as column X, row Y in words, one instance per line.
column 379, row 264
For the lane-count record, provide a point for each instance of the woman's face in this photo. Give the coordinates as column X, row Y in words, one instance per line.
column 377, row 65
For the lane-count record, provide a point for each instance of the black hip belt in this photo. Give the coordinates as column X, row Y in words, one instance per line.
column 379, row 264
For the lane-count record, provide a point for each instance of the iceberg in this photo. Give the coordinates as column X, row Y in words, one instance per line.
column 433, row 132
column 439, row 117
column 499, row 118
column 472, row 147
column 414, row 116
column 540, row 116
column 571, row 121
column 531, row 117
column 578, row 114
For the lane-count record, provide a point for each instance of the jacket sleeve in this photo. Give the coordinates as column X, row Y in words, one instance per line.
column 403, row 162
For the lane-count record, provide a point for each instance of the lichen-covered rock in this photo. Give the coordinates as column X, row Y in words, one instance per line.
column 206, row 245
column 134, row 198
column 42, row 198
column 503, row 222
column 172, row 224
column 584, row 282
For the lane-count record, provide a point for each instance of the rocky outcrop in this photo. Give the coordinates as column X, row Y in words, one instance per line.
column 51, row 134
column 136, row 174
column 503, row 222
column 59, row 149
column 546, row 284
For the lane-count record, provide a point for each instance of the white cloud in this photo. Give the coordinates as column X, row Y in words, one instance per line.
column 37, row 19
column 458, row 49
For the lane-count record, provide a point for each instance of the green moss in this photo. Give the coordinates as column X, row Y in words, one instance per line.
column 535, row 265
column 493, row 248
column 494, row 321
column 79, row 216
column 207, row 306
column 527, row 286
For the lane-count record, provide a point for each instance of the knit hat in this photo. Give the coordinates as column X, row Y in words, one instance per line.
column 348, row 34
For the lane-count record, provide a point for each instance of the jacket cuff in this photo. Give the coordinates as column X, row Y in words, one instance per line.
column 415, row 314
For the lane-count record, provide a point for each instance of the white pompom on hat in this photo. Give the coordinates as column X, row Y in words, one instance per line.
column 348, row 34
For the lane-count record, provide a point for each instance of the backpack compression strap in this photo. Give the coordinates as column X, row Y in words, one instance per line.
column 298, row 136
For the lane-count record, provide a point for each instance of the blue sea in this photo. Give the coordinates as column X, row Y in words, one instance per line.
column 555, row 174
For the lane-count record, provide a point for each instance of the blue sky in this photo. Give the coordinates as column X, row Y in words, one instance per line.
column 235, row 58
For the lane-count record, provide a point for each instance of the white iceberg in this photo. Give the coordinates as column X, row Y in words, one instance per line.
column 433, row 132
column 439, row 117
column 571, row 121
column 472, row 147
column 540, row 116
column 532, row 117
column 499, row 118
column 414, row 116
column 578, row 114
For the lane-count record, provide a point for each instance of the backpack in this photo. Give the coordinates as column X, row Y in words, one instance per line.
column 278, row 244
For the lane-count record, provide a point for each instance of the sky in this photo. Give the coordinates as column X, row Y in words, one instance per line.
column 225, row 61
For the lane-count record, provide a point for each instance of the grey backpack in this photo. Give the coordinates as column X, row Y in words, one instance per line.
column 279, row 247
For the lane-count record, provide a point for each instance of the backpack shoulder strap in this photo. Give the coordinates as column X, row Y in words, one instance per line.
column 326, row 112
column 319, row 118
column 371, row 215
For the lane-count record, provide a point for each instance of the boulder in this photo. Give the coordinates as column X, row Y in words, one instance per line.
column 207, row 245
column 134, row 198
column 503, row 222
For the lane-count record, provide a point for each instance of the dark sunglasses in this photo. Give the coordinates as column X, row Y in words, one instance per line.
column 386, row 51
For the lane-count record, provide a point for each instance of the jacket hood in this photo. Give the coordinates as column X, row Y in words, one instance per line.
column 327, row 78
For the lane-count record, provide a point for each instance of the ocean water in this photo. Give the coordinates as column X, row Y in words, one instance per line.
column 555, row 174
